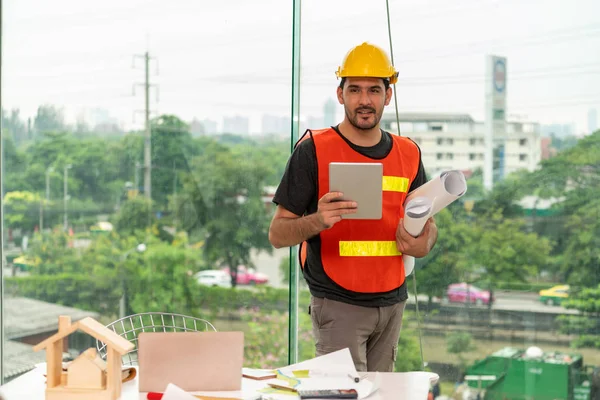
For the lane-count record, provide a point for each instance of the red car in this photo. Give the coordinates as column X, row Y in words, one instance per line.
column 249, row 276
column 458, row 293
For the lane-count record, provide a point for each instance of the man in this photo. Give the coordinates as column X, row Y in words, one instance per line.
column 357, row 300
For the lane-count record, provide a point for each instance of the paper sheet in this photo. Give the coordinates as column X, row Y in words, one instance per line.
column 254, row 373
column 250, row 391
column 174, row 392
column 435, row 195
column 330, row 371
column 339, row 361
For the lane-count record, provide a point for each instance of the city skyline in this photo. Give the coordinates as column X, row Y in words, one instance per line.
column 101, row 121
column 550, row 80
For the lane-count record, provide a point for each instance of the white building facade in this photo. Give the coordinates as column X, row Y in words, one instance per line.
column 456, row 141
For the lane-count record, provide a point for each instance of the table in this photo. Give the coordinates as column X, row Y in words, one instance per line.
column 394, row 385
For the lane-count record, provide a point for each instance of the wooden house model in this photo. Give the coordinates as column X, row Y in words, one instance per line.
column 88, row 377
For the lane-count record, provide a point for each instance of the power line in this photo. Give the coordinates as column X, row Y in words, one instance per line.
column 450, row 51
column 533, row 73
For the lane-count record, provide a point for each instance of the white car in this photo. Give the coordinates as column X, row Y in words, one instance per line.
column 214, row 277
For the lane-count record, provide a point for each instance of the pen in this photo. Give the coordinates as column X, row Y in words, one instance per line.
column 355, row 378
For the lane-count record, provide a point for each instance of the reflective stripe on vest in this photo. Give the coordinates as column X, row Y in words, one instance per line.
column 395, row 184
column 368, row 248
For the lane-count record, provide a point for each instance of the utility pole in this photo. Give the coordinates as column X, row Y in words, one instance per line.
column 66, row 196
column 48, row 171
column 147, row 148
column 147, row 133
column 42, row 204
column 41, row 215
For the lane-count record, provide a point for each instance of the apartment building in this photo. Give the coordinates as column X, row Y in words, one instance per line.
column 456, row 141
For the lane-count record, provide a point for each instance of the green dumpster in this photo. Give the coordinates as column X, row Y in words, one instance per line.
column 531, row 375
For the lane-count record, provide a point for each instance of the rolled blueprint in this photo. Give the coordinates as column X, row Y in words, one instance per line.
column 442, row 190
column 426, row 201
column 416, row 213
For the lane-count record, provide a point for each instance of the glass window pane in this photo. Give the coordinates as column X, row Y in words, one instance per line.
column 521, row 228
column 142, row 145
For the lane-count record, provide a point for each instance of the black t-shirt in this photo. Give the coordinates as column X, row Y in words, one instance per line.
column 298, row 194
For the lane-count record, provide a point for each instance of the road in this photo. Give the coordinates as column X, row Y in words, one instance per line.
column 505, row 300
column 511, row 301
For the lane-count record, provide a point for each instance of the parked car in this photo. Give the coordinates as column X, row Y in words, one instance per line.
column 555, row 295
column 213, row 277
column 249, row 276
column 460, row 292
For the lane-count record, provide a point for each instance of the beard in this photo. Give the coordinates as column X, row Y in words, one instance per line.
column 363, row 118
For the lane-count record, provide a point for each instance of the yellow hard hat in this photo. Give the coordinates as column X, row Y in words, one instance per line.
column 367, row 60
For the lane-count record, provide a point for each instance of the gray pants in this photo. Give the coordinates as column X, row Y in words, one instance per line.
column 371, row 333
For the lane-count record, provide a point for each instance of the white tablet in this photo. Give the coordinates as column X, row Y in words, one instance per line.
column 359, row 182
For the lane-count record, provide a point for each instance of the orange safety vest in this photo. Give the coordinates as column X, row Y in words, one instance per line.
column 361, row 255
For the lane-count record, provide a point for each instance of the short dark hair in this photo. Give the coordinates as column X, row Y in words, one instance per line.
column 386, row 83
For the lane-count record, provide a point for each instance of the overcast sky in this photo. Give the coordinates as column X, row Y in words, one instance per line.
column 233, row 57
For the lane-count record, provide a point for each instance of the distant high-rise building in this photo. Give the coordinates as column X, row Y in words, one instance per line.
column 210, row 126
column 236, row 125
column 592, row 120
column 310, row 122
column 272, row 124
column 197, row 128
column 558, row 130
column 203, row 127
column 100, row 121
column 329, row 113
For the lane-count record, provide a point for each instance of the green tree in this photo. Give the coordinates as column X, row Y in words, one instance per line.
column 460, row 343
column 572, row 178
column 161, row 279
column 504, row 250
column 276, row 151
column 442, row 266
column 94, row 175
column 135, row 214
column 475, row 187
column 127, row 156
column 22, row 210
column 14, row 126
column 54, row 255
column 222, row 204
column 569, row 171
column 503, row 197
column 15, row 162
column 408, row 357
column 586, row 325
column 563, row 143
column 49, row 118
column 581, row 260
column 172, row 147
